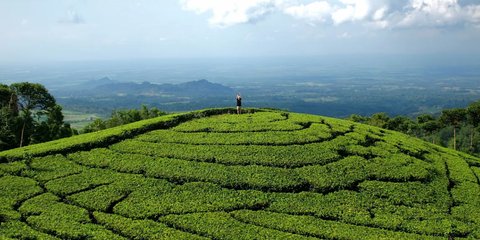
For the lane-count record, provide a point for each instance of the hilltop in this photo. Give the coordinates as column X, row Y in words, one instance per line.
column 261, row 175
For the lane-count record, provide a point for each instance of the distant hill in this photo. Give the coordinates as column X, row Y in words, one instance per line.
column 105, row 87
column 97, row 83
column 261, row 175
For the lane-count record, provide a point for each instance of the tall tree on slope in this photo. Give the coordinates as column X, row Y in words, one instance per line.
column 32, row 99
column 8, row 117
column 453, row 117
column 473, row 118
column 39, row 117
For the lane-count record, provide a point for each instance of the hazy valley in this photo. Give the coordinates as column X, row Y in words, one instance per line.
column 327, row 86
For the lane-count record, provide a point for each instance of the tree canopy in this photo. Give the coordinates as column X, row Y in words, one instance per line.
column 120, row 117
column 29, row 114
column 454, row 128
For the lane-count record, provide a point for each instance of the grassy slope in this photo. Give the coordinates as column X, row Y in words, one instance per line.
column 105, row 137
column 263, row 175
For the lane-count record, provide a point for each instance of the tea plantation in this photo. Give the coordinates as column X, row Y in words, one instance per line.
column 261, row 175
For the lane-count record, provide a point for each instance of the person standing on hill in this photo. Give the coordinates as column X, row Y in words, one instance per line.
column 239, row 103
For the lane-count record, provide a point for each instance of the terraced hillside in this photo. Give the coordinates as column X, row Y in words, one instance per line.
column 262, row 175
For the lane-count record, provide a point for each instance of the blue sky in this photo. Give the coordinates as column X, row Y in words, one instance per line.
column 57, row 30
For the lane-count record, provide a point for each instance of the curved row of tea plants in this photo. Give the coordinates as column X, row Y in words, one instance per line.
column 262, row 175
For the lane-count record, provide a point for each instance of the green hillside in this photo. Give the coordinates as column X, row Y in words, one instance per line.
column 263, row 175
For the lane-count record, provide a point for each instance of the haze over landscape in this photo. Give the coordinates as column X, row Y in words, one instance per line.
column 324, row 57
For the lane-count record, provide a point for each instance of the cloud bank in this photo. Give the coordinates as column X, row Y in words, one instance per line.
column 375, row 13
column 226, row 13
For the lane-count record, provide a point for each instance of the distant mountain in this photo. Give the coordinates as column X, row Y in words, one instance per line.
column 99, row 82
column 204, row 87
column 106, row 87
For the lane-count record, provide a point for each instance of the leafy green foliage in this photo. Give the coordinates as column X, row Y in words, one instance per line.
column 270, row 121
column 312, row 226
column 349, row 171
column 48, row 214
column 21, row 230
column 176, row 170
column 276, row 156
column 142, row 229
column 15, row 190
column 455, row 128
column 190, row 197
column 221, row 225
column 122, row 117
column 103, row 138
column 50, row 167
column 315, row 133
column 29, row 114
column 85, row 180
column 261, row 175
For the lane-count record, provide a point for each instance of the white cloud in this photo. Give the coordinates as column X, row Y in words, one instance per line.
column 432, row 13
column 376, row 13
column 353, row 10
column 342, row 15
column 439, row 13
column 315, row 11
column 226, row 13
column 341, row 11
column 473, row 13
column 379, row 14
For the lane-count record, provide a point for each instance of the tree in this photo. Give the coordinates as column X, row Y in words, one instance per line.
column 39, row 118
column 428, row 124
column 8, row 99
column 357, row 118
column 425, row 118
column 96, row 125
column 121, row 117
column 7, row 136
column 379, row 120
column 401, row 124
column 8, row 117
column 453, row 117
column 53, row 128
column 32, row 98
column 5, row 95
column 473, row 118
column 57, row 128
column 146, row 113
